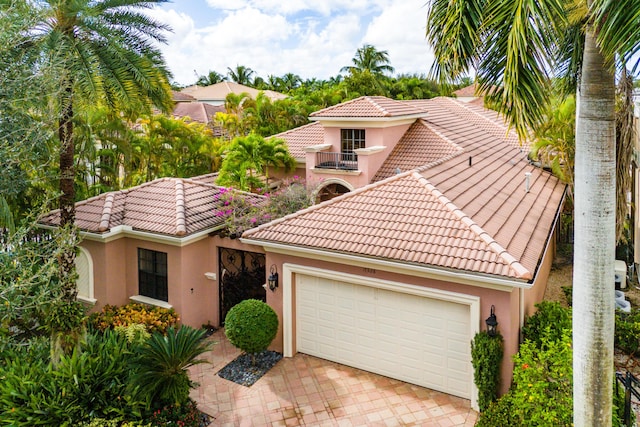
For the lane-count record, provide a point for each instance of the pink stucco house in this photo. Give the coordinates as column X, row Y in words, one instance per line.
column 429, row 216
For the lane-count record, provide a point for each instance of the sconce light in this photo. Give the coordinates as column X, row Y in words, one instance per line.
column 492, row 323
column 272, row 281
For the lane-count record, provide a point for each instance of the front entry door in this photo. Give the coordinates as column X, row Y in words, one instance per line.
column 242, row 275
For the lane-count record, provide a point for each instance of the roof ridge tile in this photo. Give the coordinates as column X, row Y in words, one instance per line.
column 181, row 228
column 106, row 212
column 377, row 106
column 325, row 203
column 521, row 271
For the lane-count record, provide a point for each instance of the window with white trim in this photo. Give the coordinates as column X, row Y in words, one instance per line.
column 84, row 270
column 350, row 140
column 152, row 274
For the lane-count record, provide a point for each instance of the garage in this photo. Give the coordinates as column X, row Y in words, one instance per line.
column 405, row 332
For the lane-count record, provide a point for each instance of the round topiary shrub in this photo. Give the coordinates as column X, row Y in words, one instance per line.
column 251, row 325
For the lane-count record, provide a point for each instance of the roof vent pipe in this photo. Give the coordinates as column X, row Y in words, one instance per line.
column 470, row 161
column 527, row 180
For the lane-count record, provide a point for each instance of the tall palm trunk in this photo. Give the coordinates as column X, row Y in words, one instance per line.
column 67, row 198
column 595, row 207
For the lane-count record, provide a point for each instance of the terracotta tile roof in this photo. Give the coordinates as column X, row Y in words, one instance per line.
column 402, row 218
column 419, row 146
column 219, row 91
column 471, row 161
column 169, row 206
column 181, row 97
column 369, row 106
column 467, row 91
column 304, row 136
column 197, row 111
column 209, row 178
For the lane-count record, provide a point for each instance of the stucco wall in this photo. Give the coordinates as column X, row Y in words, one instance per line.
column 536, row 293
column 506, row 302
column 194, row 296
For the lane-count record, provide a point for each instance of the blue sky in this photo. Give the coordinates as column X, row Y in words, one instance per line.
column 311, row 38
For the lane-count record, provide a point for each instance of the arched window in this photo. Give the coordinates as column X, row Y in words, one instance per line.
column 84, row 268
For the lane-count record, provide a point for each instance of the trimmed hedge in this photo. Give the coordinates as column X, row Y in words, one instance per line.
column 486, row 358
column 251, row 325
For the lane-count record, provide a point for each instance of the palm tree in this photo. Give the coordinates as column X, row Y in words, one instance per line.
column 514, row 46
column 241, row 75
column 211, row 78
column 290, row 81
column 554, row 145
column 368, row 58
column 161, row 367
column 105, row 54
column 249, row 157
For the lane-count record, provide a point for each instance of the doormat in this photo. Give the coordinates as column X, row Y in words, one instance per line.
column 242, row 371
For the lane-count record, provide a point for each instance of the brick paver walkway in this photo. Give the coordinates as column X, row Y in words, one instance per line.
column 304, row 390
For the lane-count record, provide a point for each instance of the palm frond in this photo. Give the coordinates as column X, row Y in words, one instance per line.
column 617, row 24
column 519, row 48
column 454, row 32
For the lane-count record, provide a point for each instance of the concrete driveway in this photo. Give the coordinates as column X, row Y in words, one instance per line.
column 304, row 390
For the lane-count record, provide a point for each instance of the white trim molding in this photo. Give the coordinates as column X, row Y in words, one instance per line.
column 150, row 301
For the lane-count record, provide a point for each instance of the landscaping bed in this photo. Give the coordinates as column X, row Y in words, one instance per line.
column 560, row 282
column 243, row 371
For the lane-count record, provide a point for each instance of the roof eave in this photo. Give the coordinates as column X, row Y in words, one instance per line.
column 439, row 273
column 121, row 231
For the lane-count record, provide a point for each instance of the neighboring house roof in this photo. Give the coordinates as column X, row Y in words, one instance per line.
column 181, row 97
column 369, row 107
column 209, row 178
column 219, row 91
column 198, row 111
column 168, row 206
column 304, row 136
column 472, row 165
column 466, row 92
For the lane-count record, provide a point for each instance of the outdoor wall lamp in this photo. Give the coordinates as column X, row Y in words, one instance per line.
column 492, row 323
column 272, row 281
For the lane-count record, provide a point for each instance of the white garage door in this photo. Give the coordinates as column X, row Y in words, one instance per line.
column 416, row 339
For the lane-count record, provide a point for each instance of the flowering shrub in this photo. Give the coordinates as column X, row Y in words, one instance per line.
column 153, row 318
column 541, row 393
column 186, row 415
column 243, row 211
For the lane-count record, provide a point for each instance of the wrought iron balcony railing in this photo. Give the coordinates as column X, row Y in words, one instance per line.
column 341, row 161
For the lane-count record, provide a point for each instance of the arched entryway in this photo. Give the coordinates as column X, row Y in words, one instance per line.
column 332, row 188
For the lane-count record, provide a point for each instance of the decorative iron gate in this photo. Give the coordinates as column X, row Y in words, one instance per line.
column 242, row 275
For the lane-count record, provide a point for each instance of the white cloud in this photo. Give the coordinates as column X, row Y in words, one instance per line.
column 400, row 30
column 275, row 37
column 290, row 7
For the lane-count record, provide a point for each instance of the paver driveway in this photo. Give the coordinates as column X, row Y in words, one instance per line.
column 304, row 390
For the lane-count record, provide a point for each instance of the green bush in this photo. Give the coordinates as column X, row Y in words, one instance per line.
column 153, row 318
column 251, row 325
column 541, row 393
column 486, row 358
column 498, row 413
column 96, row 378
column 627, row 333
column 185, row 415
column 548, row 323
column 29, row 396
column 161, row 366
column 88, row 383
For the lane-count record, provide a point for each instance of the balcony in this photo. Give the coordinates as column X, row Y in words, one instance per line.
column 336, row 161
